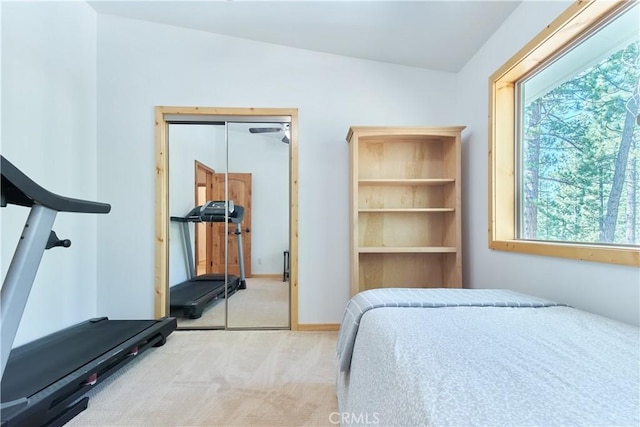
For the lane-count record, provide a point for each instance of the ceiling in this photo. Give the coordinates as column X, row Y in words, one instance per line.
column 438, row 35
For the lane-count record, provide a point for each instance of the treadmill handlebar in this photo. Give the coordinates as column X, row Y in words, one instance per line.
column 19, row 189
column 213, row 211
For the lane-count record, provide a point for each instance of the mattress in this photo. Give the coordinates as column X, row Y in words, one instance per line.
column 462, row 359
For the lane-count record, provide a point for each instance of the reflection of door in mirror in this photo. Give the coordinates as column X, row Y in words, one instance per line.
column 239, row 185
column 204, row 231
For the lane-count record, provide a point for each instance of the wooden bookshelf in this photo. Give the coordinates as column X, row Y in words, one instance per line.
column 405, row 207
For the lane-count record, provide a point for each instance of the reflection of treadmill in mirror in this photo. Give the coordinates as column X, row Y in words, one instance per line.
column 190, row 297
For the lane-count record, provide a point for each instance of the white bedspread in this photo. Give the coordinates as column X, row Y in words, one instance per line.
column 491, row 366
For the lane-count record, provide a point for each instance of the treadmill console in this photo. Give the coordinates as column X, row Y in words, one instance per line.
column 216, row 208
column 213, row 211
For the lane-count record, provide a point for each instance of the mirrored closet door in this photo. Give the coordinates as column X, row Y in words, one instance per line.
column 258, row 180
column 229, row 227
column 196, row 262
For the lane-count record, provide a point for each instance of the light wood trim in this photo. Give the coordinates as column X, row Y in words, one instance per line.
column 392, row 210
column 456, row 276
column 318, row 327
column 354, row 255
column 161, row 300
column 598, row 253
column 224, row 111
column 501, row 159
column 406, row 249
column 293, row 251
column 571, row 23
column 413, row 182
column 201, row 168
column 364, row 131
column 574, row 21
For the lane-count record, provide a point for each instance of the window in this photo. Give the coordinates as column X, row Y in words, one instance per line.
column 564, row 149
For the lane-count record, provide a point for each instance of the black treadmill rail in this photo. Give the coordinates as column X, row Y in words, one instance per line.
column 19, row 189
column 61, row 400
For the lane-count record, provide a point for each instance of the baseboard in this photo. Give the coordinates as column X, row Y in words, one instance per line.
column 266, row 276
column 315, row 327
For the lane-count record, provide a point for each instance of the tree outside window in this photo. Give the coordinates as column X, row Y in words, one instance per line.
column 579, row 153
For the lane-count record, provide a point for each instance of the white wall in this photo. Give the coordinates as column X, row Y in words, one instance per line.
column 49, row 132
column 141, row 65
column 605, row 289
column 266, row 157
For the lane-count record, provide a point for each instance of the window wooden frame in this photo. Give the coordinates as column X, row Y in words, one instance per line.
column 571, row 24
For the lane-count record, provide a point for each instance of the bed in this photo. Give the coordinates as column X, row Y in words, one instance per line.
column 460, row 357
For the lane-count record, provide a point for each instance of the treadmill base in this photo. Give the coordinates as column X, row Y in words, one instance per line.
column 53, row 401
column 190, row 298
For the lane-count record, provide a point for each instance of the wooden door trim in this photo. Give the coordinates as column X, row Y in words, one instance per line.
column 204, row 166
column 161, row 274
column 209, row 172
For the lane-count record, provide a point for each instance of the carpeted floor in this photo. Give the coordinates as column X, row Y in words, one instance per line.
column 222, row 378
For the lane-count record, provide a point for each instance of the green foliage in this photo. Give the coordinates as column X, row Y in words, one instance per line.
column 572, row 142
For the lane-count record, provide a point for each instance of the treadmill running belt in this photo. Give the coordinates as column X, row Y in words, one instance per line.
column 38, row 364
column 192, row 290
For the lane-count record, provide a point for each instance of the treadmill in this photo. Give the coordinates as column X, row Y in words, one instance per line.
column 44, row 382
column 191, row 297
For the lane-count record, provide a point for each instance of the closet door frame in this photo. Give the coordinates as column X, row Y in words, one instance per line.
column 163, row 116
